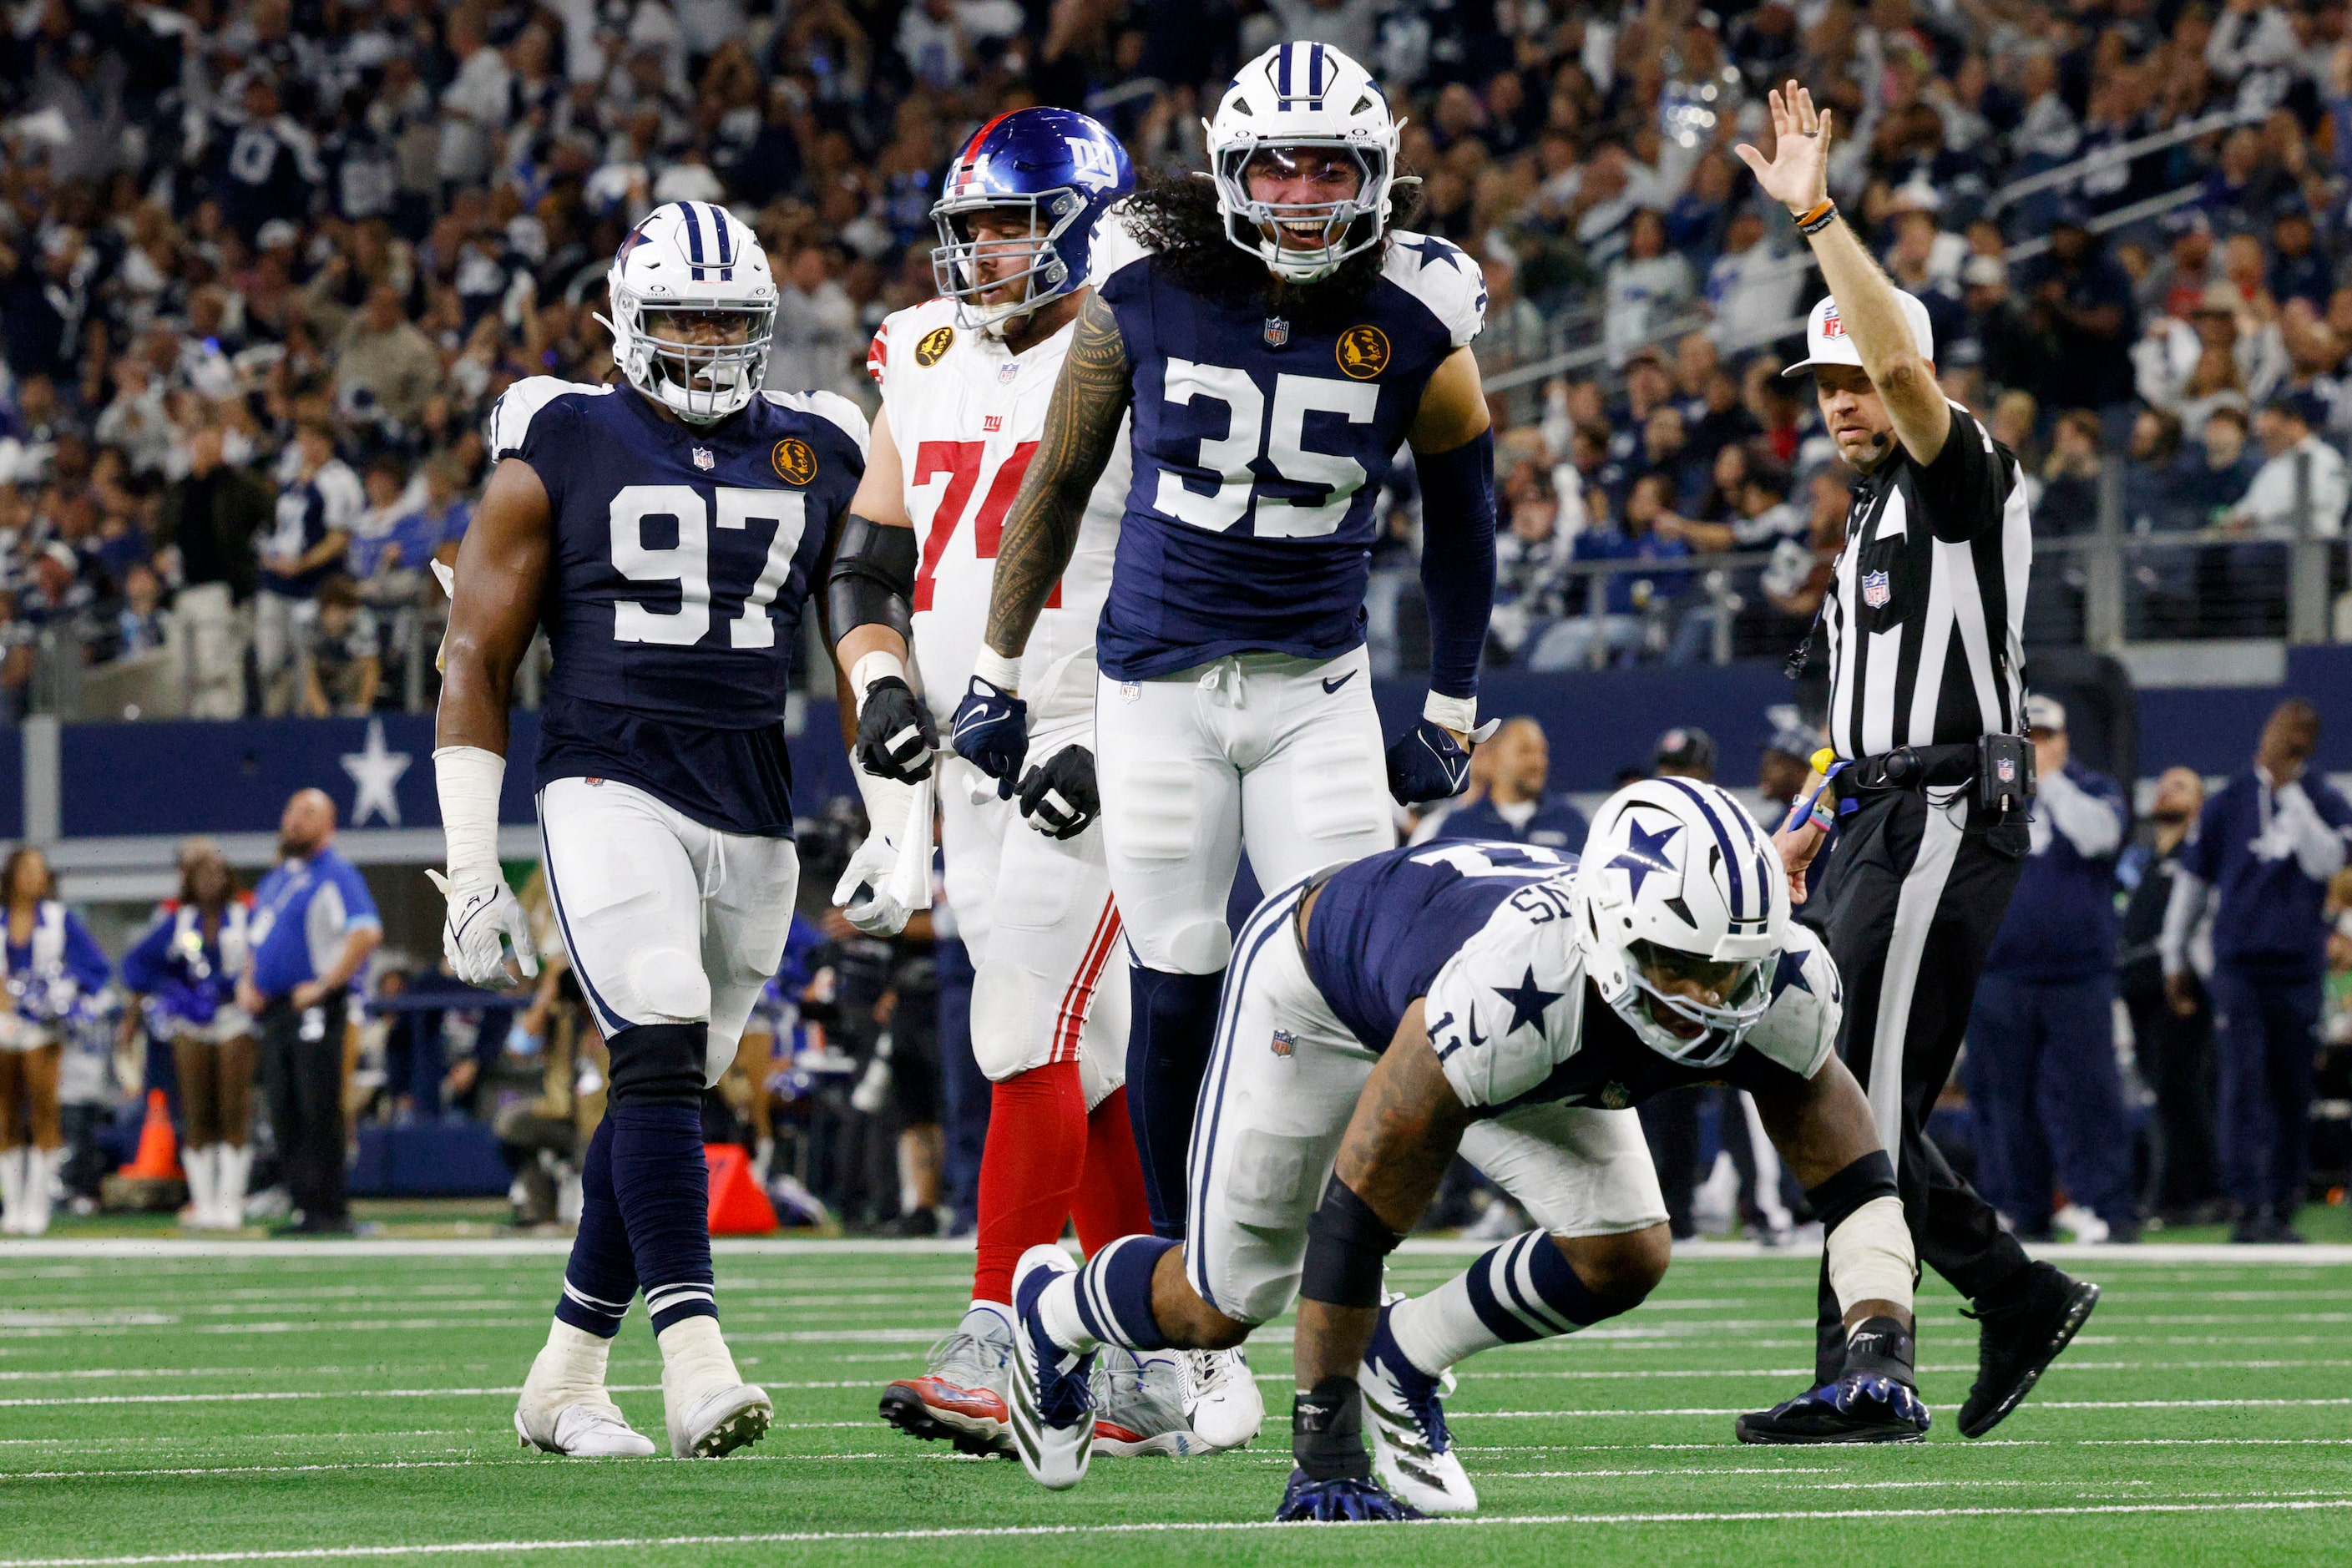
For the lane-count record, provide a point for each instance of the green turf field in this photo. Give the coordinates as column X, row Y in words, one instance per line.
column 249, row 1403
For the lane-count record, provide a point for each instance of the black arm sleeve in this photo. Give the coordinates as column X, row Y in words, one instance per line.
column 873, row 578
column 1964, row 491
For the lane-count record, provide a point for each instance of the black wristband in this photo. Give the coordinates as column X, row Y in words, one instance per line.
column 1347, row 1243
column 1871, row 1177
column 1881, row 1347
column 1327, row 1431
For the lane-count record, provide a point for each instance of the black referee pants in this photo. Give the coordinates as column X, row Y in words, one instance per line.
column 1908, row 908
column 302, row 1066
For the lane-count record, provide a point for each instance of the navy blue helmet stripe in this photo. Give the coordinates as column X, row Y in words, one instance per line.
column 1282, row 73
column 693, row 239
column 1315, row 72
column 1730, row 850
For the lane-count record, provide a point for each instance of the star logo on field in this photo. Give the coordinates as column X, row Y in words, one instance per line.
column 1528, row 1001
column 1644, row 853
column 375, row 775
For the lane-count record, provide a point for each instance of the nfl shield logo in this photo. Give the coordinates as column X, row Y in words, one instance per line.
column 1875, row 590
column 1006, row 374
column 1277, row 331
column 704, row 460
column 1283, row 1040
column 2007, row 770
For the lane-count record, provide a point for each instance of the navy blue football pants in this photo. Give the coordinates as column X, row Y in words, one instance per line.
column 2048, row 1098
column 2264, row 1035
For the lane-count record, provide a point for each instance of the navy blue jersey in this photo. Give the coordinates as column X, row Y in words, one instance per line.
column 1383, row 926
column 682, row 561
column 1486, row 931
column 2250, row 849
column 328, row 502
column 1554, row 824
column 1260, row 448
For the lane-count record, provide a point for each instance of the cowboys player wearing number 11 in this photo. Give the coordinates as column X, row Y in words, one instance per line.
column 662, row 531
column 1276, row 342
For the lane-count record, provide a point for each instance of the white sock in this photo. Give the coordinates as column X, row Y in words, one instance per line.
column 42, row 1166
column 233, row 1165
column 11, row 1185
column 203, row 1184
column 574, row 1360
column 1057, row 1304
column 695, row 1355
column 1441, row 1327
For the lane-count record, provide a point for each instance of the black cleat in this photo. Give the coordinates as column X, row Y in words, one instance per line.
column 2016, row 1343
column 1859, row 1408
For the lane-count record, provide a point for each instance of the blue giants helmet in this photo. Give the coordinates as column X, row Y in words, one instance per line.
column 1058, row 166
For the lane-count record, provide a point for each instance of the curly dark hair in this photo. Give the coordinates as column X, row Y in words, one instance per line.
column 1177, row 216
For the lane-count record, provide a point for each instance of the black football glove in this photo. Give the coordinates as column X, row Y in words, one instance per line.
column 1427, row 763
column 896, row 736
column 1060, row 799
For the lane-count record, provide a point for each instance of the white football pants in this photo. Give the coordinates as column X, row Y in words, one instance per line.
column 1038, row 917
column 666, row 920
column 1281, row 1086
column 1278, row 754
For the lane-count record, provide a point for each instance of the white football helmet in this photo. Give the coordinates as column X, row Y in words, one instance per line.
column 691, row 259
column 1304, row 98
column 1683, row 912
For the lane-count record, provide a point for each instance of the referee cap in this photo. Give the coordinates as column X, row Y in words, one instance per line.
column 1826, row 341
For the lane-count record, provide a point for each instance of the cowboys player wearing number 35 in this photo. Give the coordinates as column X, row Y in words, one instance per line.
column 1275, row 341
column 663, row 532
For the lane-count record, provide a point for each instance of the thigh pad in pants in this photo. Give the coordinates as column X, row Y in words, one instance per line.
column 1171, row 822
column 1576, row 1170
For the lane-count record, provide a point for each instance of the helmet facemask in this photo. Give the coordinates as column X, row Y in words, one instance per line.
column 700, row 381
column 1323, row 232
column 962, row 261
column 1689, row 1009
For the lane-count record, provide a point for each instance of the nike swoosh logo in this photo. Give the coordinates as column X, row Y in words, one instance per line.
column 1331, row 686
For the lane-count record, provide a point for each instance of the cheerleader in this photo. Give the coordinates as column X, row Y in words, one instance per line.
column 186, row 968
column 53, row 970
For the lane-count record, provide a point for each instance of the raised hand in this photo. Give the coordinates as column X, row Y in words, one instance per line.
column 1797, row 175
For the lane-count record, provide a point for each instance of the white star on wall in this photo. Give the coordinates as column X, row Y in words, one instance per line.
column 375, row 772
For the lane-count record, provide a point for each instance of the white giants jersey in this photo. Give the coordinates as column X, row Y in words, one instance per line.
column 966, row 415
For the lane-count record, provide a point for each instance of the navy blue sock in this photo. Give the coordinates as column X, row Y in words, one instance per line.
column 1114, row 1292
column 665, row 1197
column 1171, row 1032
column 602, row 1276
column 1526, row 1290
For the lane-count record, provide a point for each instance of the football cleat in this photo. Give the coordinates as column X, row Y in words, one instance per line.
column 959, row 1399
column 1413, row 1453
column 715, row 1424
column 1052, row 1408
column 586, row 1429
column 1342, row 1501
column 2016, row 1343
column 1858, row 1407
column 1220, row 1399
column 1140, row 1405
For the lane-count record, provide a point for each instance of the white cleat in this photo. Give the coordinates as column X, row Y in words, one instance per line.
column 1052, row 1408
column 1223, row 1402
column 716, row 1423
column 1413, row 1453
column 1140, row 1405
column 565, row 1409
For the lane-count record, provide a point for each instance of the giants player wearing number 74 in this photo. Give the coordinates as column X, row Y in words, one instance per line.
column 1260, row 343
column 662, row 533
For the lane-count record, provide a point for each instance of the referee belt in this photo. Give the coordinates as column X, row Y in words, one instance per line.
column 1915, row 767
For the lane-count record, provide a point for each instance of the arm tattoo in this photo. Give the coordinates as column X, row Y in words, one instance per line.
column 1042, row 530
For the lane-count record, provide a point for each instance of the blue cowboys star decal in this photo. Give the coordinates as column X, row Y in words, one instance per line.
column 1433, row 250
column 1646, row 853
column 1789, row 970
column 1528, row 1001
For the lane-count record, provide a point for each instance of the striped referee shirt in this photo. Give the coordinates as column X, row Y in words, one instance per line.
column 1926, row 613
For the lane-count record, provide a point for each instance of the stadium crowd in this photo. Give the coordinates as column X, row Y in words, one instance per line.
column 265, row 265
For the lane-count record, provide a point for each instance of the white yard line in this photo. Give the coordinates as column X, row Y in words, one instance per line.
column 852, row 1537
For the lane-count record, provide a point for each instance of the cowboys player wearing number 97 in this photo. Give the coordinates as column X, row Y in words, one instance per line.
column 1275, row 341
column 662, row 531
column 1506, row 1001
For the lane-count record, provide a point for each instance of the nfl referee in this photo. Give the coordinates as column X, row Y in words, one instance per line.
column 1927, row 776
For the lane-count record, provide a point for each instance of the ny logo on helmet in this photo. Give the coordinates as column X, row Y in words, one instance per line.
column 1091, row 162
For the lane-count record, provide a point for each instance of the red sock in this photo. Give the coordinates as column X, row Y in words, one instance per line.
column 1111, row 1201
column 1029, row 1170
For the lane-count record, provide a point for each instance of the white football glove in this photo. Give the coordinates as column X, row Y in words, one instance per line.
column 864, row 892
column 480, row 915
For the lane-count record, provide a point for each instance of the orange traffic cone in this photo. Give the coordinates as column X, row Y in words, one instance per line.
column 737, row 1206
column 158, row 1159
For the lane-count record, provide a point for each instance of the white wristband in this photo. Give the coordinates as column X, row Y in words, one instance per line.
column 468, row 780
column 1459, row 714
column 876, row 665
column 996, row 669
